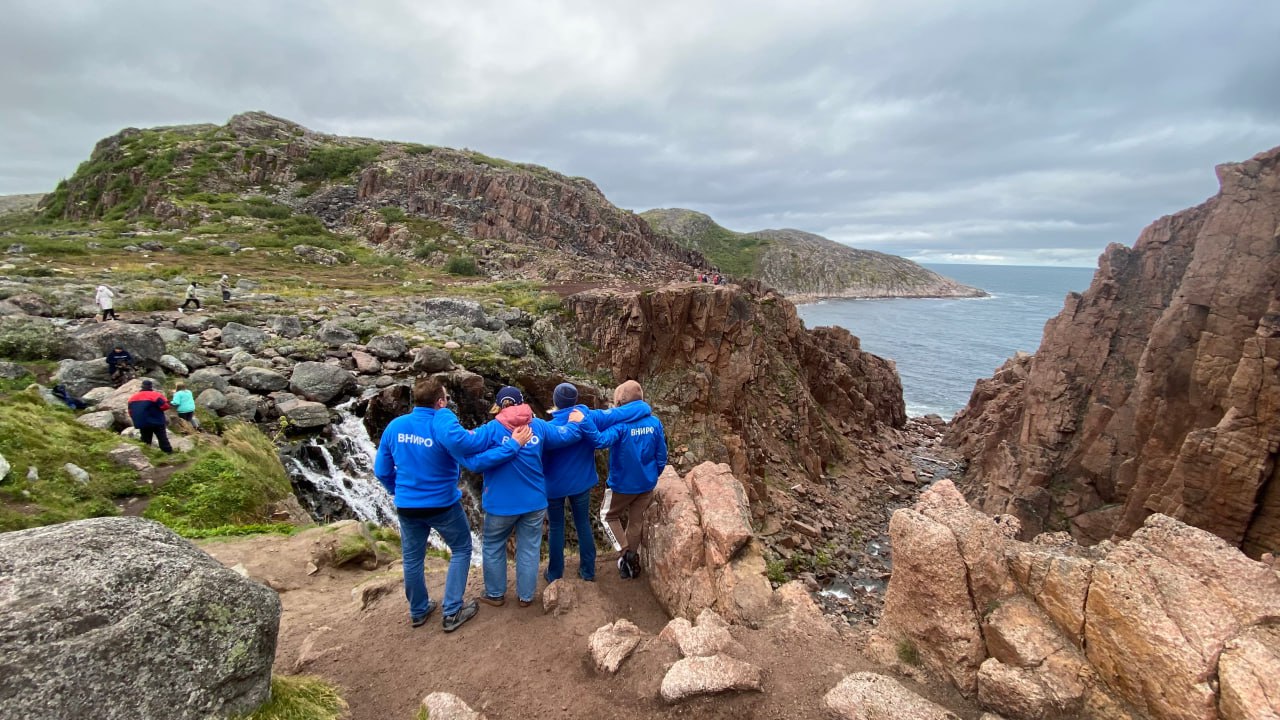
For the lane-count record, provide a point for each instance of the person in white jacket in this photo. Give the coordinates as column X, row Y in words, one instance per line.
column 105, row 299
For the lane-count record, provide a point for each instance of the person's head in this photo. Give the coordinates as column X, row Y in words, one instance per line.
column 507, row 397
column 430, row 392
column 565, row 396
column 628, row 391
column 180, row 386
column 119, row 348
column 148, row 385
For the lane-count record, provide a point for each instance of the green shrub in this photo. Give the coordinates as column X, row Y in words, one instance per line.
column 29, row 339
column 908, row 653
column 776, row 571
column 337, row 162
column 391, row 214
column 417, row 149
column 461, row 265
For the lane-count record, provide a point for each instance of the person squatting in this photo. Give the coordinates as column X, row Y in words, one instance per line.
column 533, row 469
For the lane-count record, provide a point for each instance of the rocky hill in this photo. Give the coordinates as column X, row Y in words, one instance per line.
column 445, row 207
column 801, row 265
column 1155, row 390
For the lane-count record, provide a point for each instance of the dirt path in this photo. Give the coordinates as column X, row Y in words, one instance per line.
column 513, row 662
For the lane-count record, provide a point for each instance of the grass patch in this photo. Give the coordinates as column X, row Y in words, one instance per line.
column 28, row 339
column 463, row 265
column 235, row 484
column 149, row 303
column 300, row 697
column 239, row 530
column 908, row 653
column 391, row 214
column 337, row 162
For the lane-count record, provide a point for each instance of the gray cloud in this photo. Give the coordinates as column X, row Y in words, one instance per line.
column 983, row 130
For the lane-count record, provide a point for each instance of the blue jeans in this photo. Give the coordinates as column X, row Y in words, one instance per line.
column 453, row 527
column 580, row 506
column 528, row 530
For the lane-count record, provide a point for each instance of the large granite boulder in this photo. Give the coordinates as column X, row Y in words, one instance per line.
column 206, row 379
column 431, row 359
column 869, row 696
column 95, row 340
column 334, row 335
column 320, row 382
column 455, row 311
column 696, row 560
column 250, row 338
column 286, row 326
column 119, row 618
column 81, row 376
column 260, row 380
column 388, row 347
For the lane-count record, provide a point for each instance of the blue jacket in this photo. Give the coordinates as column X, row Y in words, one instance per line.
column 517, row 486
column 572, row 470
column 637, row 454
column 414, row 466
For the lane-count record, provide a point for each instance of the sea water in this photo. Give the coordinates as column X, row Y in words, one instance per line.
column 942, row 346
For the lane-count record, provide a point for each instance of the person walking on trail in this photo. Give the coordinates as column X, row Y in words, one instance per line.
column 185, row 403
column 105, row 300
column 416, row 469
column 146, row 410
column 637, row 456
column 191, row 298
column 571, row 476
column 225, row 286
column 515, row 492
column 120, row 365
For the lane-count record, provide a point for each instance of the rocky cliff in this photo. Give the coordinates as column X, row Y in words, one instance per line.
column 1156, row 390
column 801, row 265
column 748, row 382
column 430, row 203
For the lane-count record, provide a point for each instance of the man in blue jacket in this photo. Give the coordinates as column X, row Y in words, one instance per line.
column 414, row 466
column 637, row 455
column 515, row 492
column 571, row 475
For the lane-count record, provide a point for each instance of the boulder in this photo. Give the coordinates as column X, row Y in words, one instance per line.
column 130, row 456
column 240, row 407
column 117, row 402
column 430, row 360
column 320, row 382
column 334, row 335
column 207, row 378
column 709, row 637
column 447, row 706
column 455, row 311
column 611, row 644
column 174, row 365
column 708, row 675
column 366, row 364
column 285, row 326
column 869, row 696
column 305, row 414
column 250, row 338
column 724, row 510
column 95, row 340
column 260, row 380
column 211, row 399
column 559, row 597
column 685, row 554
column 192, row 360
column 13, row 371
column 4, row 468
column 92, row 650
column 77, row 473
column 194, row 323
column 173, row 335
column 31, row 304
column 1249, row 675
column 387, row 347
column 82, row 376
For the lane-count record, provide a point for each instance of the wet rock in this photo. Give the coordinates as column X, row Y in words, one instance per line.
column 260, row 380
column 431, row 360
column 611, row 644
column 306, row 414
column 320, row 382
column 124, row 582
column 387, row 347
column 869, row 696
column 447, row 706
column 708, row 675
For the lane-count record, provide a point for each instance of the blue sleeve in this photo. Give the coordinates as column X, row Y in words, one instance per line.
column 557, row 436
column 607, row 438
column 662, row 447
column 384, row 466
column 630, row 412
column 456, row 439
column 491, row 458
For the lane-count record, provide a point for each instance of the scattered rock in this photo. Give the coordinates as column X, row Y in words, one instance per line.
column 366, row 364
column 250, row 338
column 308, row 654
column 387, row 347
column 611, row 644
column 447, row 706
column 130, row 456
column 305, row 414
column 334, row 335
column 207, row 378
column 80, row 377
column 12, row 371
column 431, row 360
column 709, row 637
column 708, row 675
column 559, row 597
column 869, row 696
column 94, row 341
column 174, row 365
column 369, row 591
column 101, row 419
column 77, row 473
column 211, row 399
column 320, row 256
column 286, row 326
column 320, row 382
column 260, row 380
column 455, row 311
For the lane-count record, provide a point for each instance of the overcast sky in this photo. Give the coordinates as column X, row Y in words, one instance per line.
column 999, row 131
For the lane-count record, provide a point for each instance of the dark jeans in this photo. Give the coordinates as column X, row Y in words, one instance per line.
column 451, row 523
column 162, row 437
column 191, row 300
column 580, row 506
column 109, row 312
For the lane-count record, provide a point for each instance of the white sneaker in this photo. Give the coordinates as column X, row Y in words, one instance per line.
column 181, row 311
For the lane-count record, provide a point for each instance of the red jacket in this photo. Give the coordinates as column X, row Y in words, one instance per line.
column 146, row 409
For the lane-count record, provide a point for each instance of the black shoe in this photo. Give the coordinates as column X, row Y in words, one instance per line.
column 454, row 621
column 498, row 601
column 624, row 568
column 632, row 559
column 420, row 620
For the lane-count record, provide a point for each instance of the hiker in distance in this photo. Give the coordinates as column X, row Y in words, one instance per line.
column 105, row 300
column 571, row 476
column 420, row 473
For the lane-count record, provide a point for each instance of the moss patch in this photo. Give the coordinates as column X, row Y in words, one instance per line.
column 300, row 697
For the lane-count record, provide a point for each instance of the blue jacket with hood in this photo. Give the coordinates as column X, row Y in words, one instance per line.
column 416, row 468
column 637, row 453
column 519, row 485
column 572, row 470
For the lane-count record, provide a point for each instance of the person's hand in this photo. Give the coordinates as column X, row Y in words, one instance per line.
column 576, row 416
column 523, row 435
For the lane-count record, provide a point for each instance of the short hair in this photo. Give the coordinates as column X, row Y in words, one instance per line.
column 627, row 392
column 427, row 391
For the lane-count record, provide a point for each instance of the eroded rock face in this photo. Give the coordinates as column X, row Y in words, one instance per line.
column 143, row 624
column 869, row 696
column 1154, row 391
column 753, row 385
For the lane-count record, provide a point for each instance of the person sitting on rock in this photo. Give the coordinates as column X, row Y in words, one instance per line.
column 571, row 476
column 416, row 469
column 146, row 410
column 192, row 297
column 105, row 300
column 515, row 492
column 637, row 456
column 120, row 365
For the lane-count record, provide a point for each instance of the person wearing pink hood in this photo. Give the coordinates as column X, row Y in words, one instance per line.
column 515, row 494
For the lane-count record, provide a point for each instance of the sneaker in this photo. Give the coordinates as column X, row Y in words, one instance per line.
column 420, row 620
column 633, row 562
column 180, row 311
column 454, row 621
column 494, row 601
column 526, row 603
column 624, row 569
